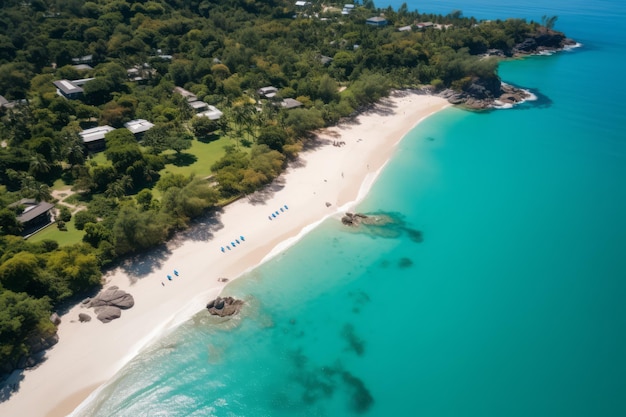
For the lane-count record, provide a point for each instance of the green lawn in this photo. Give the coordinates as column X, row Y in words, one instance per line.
column 197, row 159
column 69, row 237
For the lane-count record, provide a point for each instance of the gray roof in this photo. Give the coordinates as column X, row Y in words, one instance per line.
column 3, row 101
column 32, row 209
column 185, row 93
column 95, row 133
column 138, row 126
column 67, row 87
column 290, row 103
column 212, row 113
column 377, row 19
column 82, row 67
column 198, row 105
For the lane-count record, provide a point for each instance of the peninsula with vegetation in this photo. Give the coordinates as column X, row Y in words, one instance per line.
column 124, row 121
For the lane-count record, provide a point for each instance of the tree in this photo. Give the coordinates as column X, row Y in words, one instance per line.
column 9, row 225
column 548, row 21
column 83, row 217
column 203, row 127
column 272, row 136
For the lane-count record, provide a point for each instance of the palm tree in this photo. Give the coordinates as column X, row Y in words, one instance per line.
column 38, row 164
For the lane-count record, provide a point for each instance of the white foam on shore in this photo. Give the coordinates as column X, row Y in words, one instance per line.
column 502, row 106
column 569, row 48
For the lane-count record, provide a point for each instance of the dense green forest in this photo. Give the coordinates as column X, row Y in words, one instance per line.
column 136, row 193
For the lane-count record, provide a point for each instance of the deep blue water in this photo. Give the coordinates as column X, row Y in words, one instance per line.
column 513, row 304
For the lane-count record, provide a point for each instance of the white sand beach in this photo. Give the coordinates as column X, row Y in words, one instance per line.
column 89, row 354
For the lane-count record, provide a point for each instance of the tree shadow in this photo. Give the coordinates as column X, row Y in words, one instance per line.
column 11, row 384
column 182, row 159
column 209, row 138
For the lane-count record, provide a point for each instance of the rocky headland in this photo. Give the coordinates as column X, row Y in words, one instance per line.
column 485, row 93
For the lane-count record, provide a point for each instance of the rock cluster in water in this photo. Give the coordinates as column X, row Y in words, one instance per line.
column 223, row 307
column 356, row 219
column 108, row 305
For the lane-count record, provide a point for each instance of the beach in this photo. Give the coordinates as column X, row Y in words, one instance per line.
column 327, row 179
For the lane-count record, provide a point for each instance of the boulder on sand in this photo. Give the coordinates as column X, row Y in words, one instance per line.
column 84, row 317
column 113, row 297
column 107, row 313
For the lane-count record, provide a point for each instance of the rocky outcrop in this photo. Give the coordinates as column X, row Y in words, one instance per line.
column 483, row 94
column 113, row 296
column 109, row 304
column 548, row 40
column 54, row 318
column 108, row 313
column 353, row 219
column 223, row 307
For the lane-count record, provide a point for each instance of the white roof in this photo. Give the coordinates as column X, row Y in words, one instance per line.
column 213, row 113
column 198, row 105
column 95, row 133
column 138, row 126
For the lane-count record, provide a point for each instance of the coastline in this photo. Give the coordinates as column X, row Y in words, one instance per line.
column 89, row 354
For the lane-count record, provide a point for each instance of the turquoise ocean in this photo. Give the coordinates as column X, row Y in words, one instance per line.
column 514, row 303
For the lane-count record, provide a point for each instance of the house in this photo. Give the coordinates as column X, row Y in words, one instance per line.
column 302, row 3
column 3, row 101
column 405, row 29
column 290, row 103
column 36, row 214
column 71, row 90
column 325, row 60
column 82, row 67
column 211, row 112
column 185, row 93
column 140, row 72
column 94, row 138
column 376, row 21
column 87, row 59
column 67, row 89
column 267, row 92
column 424, row 25
column 347, row 8
column 138, row 127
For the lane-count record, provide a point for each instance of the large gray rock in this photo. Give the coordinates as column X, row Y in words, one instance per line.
column 223, row 307
column 113, row 297
column 84, row 317
column 107, row 313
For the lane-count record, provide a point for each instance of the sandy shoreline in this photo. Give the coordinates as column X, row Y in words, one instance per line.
column 89, row 354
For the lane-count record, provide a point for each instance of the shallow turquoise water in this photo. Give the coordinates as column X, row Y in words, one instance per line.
column 513, row 304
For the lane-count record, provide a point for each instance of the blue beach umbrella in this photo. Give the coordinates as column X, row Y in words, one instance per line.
column 274, row 215
column 238, row 242
column 277, row 213
column 169, row 277
column 228, row 247
column 222, row 248
column 286, row 207
column 282, row 209
column 232, row 243
column 176, row 272
column 242, row 238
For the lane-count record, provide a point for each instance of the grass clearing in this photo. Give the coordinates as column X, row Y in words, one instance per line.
column 63, row 238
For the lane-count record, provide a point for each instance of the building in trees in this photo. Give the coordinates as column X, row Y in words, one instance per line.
column 290, row 103
column 34, row 216
column 94, row 138
column 376, row 21
column 71, row 90
column 267, row 92
column 138, row 127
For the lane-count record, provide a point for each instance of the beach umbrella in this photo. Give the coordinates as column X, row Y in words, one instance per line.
column 238, row 242
column 277, row 213
column 273, row 215
column 286, row 207
column 269, row 217
column 176, row 272
column 242, row 238
column 169, row 277
column 232, row 243
column 228, row 247
column 282, row 209
column 222, row 248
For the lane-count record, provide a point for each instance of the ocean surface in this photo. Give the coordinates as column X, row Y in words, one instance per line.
column 499, row 288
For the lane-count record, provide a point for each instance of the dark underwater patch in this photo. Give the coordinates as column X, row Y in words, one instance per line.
column 355, row 343
column 361, row 400
column 404, row 263
column 388, row 225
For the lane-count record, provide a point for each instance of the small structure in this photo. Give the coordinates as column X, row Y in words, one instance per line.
column 94, row 138
column 290, row 103
column 211, row 112
column 86, row 59
column 3, row 102
column 68, row 89
column 378, row 21
column 141, row 72
column 424, row 25
column 325, row 60
column 347, row 8
column 405, row 29
column 267, row 92
column 138, row 127
column 35, row 216
column 82, row 67
column 302, row 3
column 185, row 93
